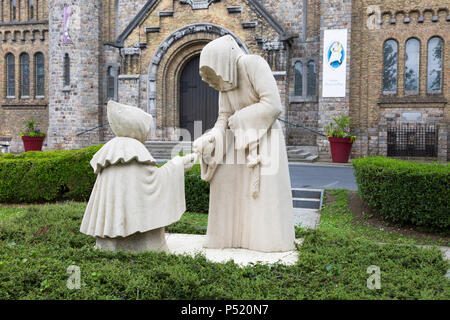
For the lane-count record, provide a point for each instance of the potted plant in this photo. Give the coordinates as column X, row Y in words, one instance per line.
column 32, row 138
column 341, row 140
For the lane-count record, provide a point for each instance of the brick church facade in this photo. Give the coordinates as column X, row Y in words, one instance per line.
column 61, row 61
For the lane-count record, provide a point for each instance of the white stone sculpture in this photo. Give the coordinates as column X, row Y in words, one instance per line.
column 250, row 201
column 132, row 199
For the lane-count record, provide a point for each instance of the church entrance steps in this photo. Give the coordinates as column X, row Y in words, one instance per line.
column 165, row 150
column 162, row 150
column 302, row 153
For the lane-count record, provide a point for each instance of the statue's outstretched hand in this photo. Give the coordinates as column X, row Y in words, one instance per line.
column 204, row 145
column 189, row 160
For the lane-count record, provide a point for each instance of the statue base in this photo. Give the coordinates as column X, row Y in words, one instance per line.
column 153, row 240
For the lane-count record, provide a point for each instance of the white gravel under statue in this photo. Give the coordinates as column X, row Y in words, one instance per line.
column 250, row 194
column 132, row 199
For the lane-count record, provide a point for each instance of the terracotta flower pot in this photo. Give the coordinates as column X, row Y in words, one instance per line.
column 340, row 149
column 33, row 143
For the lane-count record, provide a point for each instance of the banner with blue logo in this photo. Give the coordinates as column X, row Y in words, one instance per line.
column 334, row 63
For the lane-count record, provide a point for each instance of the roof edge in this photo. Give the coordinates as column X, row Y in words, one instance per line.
column 119, row 42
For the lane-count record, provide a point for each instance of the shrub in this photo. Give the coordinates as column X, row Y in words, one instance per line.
column 197, row 191
column 34, row 177
column 406, row 192
column 47, row 176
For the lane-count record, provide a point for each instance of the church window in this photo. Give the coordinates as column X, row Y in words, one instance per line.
column 31, row 6
column 39, row 74
column 434, row 68
column 111, row 83
column 13, row 10
column 10, row 76
column 311, row 80
column 298, row 79
column 66, row 70
column 390, row 66
column 412, row 66
column 24, row 75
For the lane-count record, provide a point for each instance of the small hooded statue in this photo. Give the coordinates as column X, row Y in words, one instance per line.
column 132, row 199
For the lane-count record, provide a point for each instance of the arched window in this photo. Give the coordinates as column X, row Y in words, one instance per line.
column 10, row 76
column 66, row 70
column 412, row 65
column 390, row 66
column 39, row 67
column 13, row 10
column 24, row 75
column 31, row 8
column 111, row 83
column 298, row 79
column 311, row 81
column 434, row 68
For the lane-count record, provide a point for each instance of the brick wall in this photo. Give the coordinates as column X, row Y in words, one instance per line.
column 78, row 106
column 335, row 14
column 22, row 36
column 372, row 110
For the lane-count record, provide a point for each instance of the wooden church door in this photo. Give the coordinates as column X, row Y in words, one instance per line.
column 198, row 101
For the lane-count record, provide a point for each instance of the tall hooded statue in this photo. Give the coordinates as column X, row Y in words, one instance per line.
column 132, row 199
column 244, row 155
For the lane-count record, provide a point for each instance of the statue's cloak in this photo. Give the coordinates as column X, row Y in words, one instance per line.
column 131, row 194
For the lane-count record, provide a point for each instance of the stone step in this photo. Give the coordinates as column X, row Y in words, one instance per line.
column 302, row 153
column 306, row 203
column 299, row 155
column 307, row 198
column 307, row 193
column 309, row 159
column 162, row 150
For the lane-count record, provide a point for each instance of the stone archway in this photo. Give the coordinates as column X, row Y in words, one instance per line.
column 165, row 68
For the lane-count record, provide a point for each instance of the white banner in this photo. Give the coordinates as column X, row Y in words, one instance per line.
column 334, row 63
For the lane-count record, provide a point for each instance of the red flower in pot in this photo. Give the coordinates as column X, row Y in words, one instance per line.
column 32, row 138
column 341, row 140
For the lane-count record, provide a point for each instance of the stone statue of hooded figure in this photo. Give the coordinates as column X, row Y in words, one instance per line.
column 244, row 155
column 132, row 199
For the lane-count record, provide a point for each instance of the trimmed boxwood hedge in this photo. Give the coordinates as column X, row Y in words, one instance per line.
column 406, row 192
column 35, row 177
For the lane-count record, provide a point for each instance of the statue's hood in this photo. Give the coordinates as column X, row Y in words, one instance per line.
column 218, row 63
column 128, row 121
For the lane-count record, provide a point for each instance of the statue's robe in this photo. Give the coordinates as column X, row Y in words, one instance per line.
column 131, row 194
column 236, row 218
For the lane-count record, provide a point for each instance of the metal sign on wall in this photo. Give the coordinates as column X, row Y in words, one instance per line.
column 334, row 63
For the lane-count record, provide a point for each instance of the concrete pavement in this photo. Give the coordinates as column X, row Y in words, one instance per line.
column 322, row 176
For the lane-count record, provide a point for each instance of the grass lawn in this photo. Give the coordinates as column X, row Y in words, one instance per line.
column 39, row 243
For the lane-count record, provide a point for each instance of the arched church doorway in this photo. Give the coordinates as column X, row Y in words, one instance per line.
column 198, row 101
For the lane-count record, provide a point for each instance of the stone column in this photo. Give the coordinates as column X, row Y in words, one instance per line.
column 74, row 107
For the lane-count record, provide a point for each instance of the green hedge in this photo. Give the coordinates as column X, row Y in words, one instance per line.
column 406, row 192
column 47, row 176
column 197, row 191
column 35, row 177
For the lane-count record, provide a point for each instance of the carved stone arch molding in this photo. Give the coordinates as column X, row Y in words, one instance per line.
column 165, row 68
column 199, row 4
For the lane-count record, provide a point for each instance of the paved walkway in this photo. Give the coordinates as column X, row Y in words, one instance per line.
column 191, row 244
column 306, row 218
column 188, row 244
column 322, row 176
